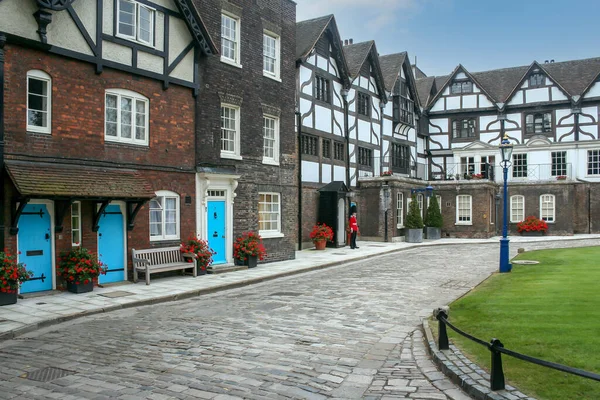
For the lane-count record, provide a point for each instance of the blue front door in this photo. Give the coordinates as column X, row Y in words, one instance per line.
column 35, row 246
column 216, row 230
column 111, row 247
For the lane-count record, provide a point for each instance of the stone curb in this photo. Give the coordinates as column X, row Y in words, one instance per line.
column 198, row 292
column 471, row 378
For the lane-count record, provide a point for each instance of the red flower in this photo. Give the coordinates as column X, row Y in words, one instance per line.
column 249, row 244
column 532, row 224
column 321, row 232
column 12, row 273
column 200, row 248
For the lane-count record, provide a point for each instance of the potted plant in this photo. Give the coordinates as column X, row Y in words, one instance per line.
column 249, row 248
column 532, row 226
column 12, row 275
column 414, row 222
column 433, row 219
column 79, row 268
column 320, row 234
column 561, row 178
column 387, row 173
column 200, row 250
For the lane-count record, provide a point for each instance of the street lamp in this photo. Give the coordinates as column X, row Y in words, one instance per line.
column 506, row 149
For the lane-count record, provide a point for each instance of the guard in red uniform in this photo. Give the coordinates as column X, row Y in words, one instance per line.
column 354, row 231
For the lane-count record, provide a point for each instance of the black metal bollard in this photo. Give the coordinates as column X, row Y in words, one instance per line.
column 443, row 343
column 497, row 375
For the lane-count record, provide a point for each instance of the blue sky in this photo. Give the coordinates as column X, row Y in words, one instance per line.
column 479, row 34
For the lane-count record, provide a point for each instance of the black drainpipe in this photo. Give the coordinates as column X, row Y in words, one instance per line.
column 299, row 125
column 2, row 208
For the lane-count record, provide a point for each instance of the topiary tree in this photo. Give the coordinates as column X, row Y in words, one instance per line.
column 434, row 217
column 413, row 217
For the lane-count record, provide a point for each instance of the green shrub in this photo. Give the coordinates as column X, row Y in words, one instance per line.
column 434, row 217
column 413, row 217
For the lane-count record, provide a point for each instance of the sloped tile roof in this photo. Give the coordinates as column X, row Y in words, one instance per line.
column 574, row 76
column 499, row 83
column 63, row 180
column 391, row 65
column 356, row 55
column 424, row 86
column 308, row 32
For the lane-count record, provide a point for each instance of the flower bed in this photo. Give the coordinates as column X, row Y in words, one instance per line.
column 532, row 224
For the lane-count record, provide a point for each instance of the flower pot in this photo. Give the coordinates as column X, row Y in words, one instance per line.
column 320, row 244
column 533, row 233
column 8, row 298
column 433, row 233
column 201, row 271
column 252, row 261
column 414, row 235
column 81, row 288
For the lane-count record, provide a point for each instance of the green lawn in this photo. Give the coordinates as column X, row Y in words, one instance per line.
column 550, row 311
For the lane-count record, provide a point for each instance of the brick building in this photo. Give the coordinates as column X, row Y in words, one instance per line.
column 97, row 129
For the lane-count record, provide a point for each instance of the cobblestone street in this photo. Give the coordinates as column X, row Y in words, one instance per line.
column 351, row 331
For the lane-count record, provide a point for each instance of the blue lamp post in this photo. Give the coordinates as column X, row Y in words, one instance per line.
column 506, row 149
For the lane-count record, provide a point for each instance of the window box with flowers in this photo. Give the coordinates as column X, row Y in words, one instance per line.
column 561, row 178
column 202, row 252
column 387, row 173
column 248, row 249
column 532, row 226
column 320, row 235
column 79, row 268
column 12, row 275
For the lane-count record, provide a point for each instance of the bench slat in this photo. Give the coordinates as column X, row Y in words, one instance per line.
column 160, row 260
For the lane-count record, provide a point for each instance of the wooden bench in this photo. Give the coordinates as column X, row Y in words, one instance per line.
column 152, row 261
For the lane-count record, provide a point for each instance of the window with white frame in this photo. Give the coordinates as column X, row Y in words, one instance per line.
column 559, row 163
column 39, row 96
column 464, row 209
column 271, row 140
column 271, row 56
column 76, row 223
column 126, row 117
column 400, row 210
column 230, row 131
column 547, row 207
column 230, row 39
column 420, row 201
column 517, row 208
column 519, row 166
column 593, row 163
column 269, row 214
column 164, row 216
column 136, row 21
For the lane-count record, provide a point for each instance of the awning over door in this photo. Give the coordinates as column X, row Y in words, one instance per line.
column 65, row 183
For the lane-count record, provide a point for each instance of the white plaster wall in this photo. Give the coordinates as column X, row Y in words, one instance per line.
column 517, row 98
column 373, row 86
column 592, row 129
column 516, row 117
column 420, row 142
column 537, row 95
column 339, row 173
column 469, row 101
column 438, row 105
column 461, row 75
column 557, row 94
column 333, row 68
column 561, row 131
column 351, row 101
column 593, row 92
column 442, row 139
column 364, row 131
column 150, row 62
column 487, row 119
column 441, row 122
column 167, row 4
column 116, row 53
column 63, row 32
column 185, row 69
column 310, row 171
column 339, row 118
column 305, row 108
column 389, row 107
column 593, row 111
column 16, row 18
column 88, row 19
column 388, row 127
column 322, row 62
column 412, row 135
column 561, row 113
column 486, row 137
column 107, row 17
column 453, row 103
column 336, row 97
column 322, row 118
column 179, row 38
column 459, row 145
column 305, row 76
column 484, row 101
column 446, row 91
column 476, row 89
column 538, row 157
column 325, row 173
column 312, row 60
column 159, row 31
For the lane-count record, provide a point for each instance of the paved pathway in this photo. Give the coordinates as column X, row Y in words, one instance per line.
column 350, row 331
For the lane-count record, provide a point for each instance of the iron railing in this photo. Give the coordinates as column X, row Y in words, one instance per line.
column 496, row 349
column 396, row 166
column 454, row 172
column 526, row 173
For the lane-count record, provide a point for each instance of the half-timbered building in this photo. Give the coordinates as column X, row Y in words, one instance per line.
column 97, row 128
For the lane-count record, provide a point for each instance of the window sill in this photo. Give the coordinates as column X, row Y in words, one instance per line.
column 399, row 226
column 37, row 130
column 230, row 62
column 231, row 156
column 134, row 40
column 272, row 77
column 270, row 235
column 161, row 239
column 270, row 161
column 463, row 224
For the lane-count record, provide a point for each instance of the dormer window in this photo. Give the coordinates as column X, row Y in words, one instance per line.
column 461, row 87
column 136, row 22
column 537, row 79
